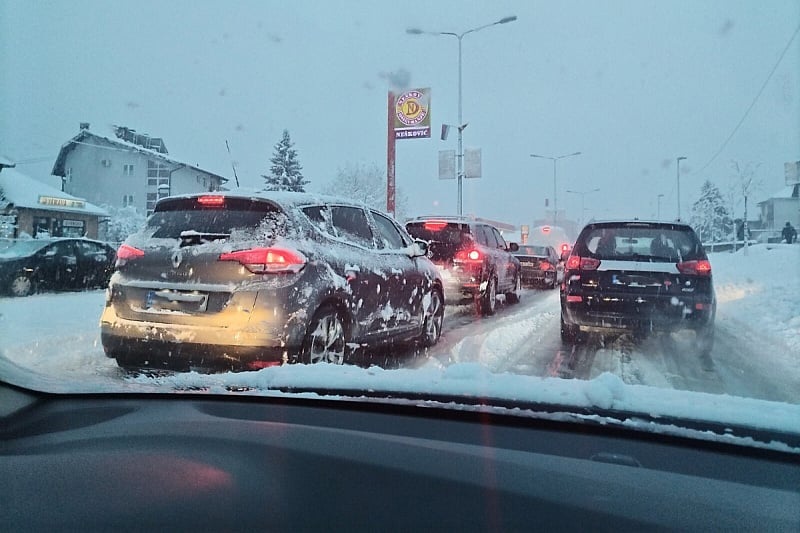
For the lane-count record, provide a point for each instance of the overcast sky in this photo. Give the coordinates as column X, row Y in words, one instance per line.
column 630, row 84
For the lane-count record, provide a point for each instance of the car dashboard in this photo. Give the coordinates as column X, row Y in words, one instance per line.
column 186, row 461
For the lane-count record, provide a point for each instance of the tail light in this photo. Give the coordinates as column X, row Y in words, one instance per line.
column 267, row 260
column 469, row 255
column 695, row 268
column 544, row 265
column 211, row 200
column 435, row 225
column 127, row 253
column 582, row 263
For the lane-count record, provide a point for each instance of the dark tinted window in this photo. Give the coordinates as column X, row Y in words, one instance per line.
column 439, row 232
column 320, row 216
column 533, row 250
column 640, row 242
column 389, row 235
column 351, row 222
column 188, row 214
column 501, row 242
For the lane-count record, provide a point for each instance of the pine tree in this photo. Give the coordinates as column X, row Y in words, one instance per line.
column 285, row 172
column 710, row 217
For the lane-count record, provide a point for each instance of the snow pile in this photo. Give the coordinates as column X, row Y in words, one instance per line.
column 761, row 291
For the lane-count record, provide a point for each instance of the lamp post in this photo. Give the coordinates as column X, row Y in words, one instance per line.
column 461, row 125
column 583, row 198
column 681, row 158
column 658, row 209
column 555, row 188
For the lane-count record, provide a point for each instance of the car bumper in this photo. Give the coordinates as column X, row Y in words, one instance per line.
column 461, row 285
column 627, row 312
column 183, row 346
column 533, row 277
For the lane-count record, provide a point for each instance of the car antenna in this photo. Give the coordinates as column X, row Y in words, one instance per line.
column 232, row 165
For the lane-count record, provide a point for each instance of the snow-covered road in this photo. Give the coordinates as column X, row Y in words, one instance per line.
column 757, row 350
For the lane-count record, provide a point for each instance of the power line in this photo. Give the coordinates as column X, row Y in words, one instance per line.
column 753, row 103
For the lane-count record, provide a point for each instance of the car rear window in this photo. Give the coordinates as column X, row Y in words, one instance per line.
column 532, row 250
column 439, row 232
column 174, row 217
column 655, row 243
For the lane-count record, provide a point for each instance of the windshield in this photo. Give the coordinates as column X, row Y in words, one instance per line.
column 653, row 144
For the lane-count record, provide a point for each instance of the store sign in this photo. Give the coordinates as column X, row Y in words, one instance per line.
column 61, row 202
column 412, row 114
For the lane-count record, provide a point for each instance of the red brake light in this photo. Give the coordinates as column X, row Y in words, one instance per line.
column 267, row 260
column 127, row 252
column 469, row 255
column 544, row 265
column 582, row 263
column 695, row 268
column 564, row 248
column 546, row 229
column 435, row 225
column 211, row 200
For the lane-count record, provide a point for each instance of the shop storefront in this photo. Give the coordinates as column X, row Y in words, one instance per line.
column 33, row 209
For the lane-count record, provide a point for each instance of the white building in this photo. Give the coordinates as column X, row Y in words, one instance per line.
column 126, row 168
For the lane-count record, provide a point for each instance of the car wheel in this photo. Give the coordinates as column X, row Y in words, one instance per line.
column 434, row 316
column 21, row 285
column 570, row 334
column 326, row 340
column 513, row 296
column 488, row 300
column 704, row 340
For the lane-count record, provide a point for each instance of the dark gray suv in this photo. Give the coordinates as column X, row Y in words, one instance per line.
column 475, row 262
column 234, row 281
column 641, row 277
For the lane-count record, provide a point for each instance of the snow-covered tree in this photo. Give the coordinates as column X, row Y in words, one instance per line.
column 366, row 183
column 710, row 217
column 122, row 222
column 285, row 172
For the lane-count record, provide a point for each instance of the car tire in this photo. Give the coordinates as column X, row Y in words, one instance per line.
column 21, row 285
column 487, row 303
column 704, row 340
column 512, row 297
column 434, row 317
column 327, row 338
column 570, row 334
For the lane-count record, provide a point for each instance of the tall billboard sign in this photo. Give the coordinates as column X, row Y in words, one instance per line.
column 408, row 117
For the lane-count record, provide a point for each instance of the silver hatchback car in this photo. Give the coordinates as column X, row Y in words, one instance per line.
column 235, row 281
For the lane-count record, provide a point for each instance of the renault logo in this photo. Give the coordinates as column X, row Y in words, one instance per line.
column 177, row 257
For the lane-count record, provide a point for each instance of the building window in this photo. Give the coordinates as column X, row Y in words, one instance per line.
column 105, row 162
column 127, row 200
column 151, row 202
column 155, row 182
column 156, row 169
column 127, row 170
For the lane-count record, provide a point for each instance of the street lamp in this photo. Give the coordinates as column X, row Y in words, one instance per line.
column 555, row 192
column 681, row 158
column 658, row 204
column 461, row 125
column 583, row 197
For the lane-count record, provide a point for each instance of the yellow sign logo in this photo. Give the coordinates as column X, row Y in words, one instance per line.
column 411, row 108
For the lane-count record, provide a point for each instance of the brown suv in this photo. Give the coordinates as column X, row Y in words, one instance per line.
column 475, row 261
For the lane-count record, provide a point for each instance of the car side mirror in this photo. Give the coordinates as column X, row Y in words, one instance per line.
column 513, row 247
column 419, row 248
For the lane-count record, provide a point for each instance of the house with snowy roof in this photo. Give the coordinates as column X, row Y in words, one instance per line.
column 784, row 205
column 124, row 168
column 30, row 207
